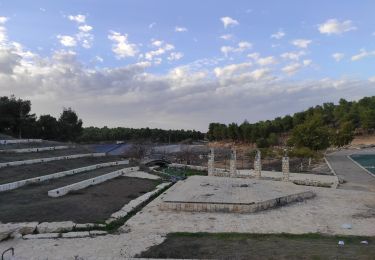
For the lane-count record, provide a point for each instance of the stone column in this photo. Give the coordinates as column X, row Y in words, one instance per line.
column 233, row 163
column 258, row 165
column 285, row 168
column 211, row 162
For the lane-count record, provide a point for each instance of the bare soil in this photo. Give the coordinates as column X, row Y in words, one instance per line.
column 253, row 246
column 16, row 173
column 93, row 204
column 9, row 157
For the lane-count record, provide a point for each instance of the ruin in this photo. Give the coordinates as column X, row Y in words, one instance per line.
column 211, row 162
column 233, row 163
column 258, row 164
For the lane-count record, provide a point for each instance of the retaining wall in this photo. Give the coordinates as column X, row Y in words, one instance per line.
column 49, row 159
column 18, row 184
column 20, row 141
column 35, row 150
column 89, row 182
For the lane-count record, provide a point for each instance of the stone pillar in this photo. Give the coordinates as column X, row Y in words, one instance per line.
column 211, row 162
column 258, row 164
column 285, row 168
column 233, row 163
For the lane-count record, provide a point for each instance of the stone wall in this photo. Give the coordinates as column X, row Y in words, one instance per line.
column 18, row 184
column 20, row 141
column 35, row 150
column 89, row 182
column 41, row 160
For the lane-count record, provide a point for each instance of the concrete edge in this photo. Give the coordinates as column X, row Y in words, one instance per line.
column 337, row 183
column 360, row 166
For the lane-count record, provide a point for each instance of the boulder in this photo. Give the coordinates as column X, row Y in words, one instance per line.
column 55, row 227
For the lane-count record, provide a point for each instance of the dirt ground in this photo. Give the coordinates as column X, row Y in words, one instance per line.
column 16, row 173
column 252, row 246
column 9, row 157
column 93, row 204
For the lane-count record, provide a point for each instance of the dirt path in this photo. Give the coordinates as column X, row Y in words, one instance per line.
column 248, row 246
column 96, row 203
column 16, row 173
column 355, row 177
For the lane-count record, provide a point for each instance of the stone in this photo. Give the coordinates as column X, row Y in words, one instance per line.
column 76, row 234
column 98, row 233
column 211, row 162
column 42, row 236
column 11, row 229
column 233, row 163
column 51, row 227
column 285, row 168
column 258, row 165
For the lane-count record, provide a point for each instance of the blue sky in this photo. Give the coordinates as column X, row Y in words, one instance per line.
column 183, row 64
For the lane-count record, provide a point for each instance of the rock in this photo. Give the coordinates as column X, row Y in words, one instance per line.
column 52, row 227
column 42, row 236
column 98, row 233
column 12, row 229
column 76, row 234
column 86, row 225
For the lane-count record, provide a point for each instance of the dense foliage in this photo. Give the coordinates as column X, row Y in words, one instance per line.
column 316, row 128
column 16, row 120
column 91, row 134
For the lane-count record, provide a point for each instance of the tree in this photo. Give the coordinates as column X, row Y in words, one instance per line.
column 48, row 127
column 344, row 135
column 69, row 124
column 312, row 134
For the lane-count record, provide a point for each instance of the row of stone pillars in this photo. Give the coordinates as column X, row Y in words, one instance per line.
column 257, row 164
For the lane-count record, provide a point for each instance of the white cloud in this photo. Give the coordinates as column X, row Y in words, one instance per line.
column 259, row 73
column 162, row 49
column 293, row 55
column 121, row 46
column 301, row 43
column 254, row 55
column 151, row 25
column 77, row 18
column 362, row 54
column 241, row 47
column 173, row 56
column 85, row 28
column 334, row 26
column 229, row 22
column 3, row 19
column 3, row 34
column 226, row 36
column 338, row 56
column 292, row 68
column 270, row 60
column 372, row 79
column 180, row 29
column 231, row 70
column 67, row 41
column 280, row 34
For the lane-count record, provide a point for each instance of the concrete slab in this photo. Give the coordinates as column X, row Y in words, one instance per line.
column 223, row 194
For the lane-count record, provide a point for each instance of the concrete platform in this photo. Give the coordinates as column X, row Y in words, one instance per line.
column 222, row 194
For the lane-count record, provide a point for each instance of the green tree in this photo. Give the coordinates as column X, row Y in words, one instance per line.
column 48, row 127
column 344, row 135
column 70, row 126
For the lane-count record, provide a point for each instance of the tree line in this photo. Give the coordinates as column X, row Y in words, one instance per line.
column 315, row 128
column 17, row 121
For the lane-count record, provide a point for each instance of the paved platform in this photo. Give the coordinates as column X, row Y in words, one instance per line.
column 223, row 194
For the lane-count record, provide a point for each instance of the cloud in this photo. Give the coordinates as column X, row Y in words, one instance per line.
column 85, row 28
column 293, row 55
column 173, row 56
column 231, row 70
column 162, row 49
column 180, row 29
column 151, row 25
column 229, row 22
column 8, row 61
column 362, row 54
column 293, row 68
column 301, row 43
column 67, row 41
column 254, row 55
column 79, row 18
column 241, row 46
column 3, row 19
column 270, row 60
column 226, row 36
column 280, row 34
column 372, row 79
column 121, row 46
column 338, row 56
column 334, row 26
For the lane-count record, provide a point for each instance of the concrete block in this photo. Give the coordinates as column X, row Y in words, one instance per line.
column 95, row 233
column 76, row 234
column 42, row 236
column 52, row 227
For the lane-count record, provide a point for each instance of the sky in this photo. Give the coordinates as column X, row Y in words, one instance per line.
column 184, row 64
